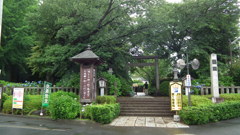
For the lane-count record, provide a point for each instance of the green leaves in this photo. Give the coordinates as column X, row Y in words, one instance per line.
column 102, row 113
column 64, row 105
column 210, row 113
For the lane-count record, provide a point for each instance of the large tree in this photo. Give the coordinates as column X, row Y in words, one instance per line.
column 196, row 27
column 17, row 39
column 65, row 28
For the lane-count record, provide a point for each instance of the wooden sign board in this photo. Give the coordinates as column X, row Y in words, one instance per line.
column 176, row 96
column 87, row 84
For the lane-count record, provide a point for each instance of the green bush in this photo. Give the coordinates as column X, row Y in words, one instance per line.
column 102, row 113
column 60, row 93
column 210, row 113
column 31, row 103
column 106, row 100
column 197, row 100
column 151, row 90
column 4, row 97
column 230, row 97
column 164, row 88
column 63, row 105
column 126, row 88
column 111, row 80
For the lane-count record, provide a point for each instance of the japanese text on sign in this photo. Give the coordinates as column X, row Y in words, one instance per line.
column 46, row 94
column 176, row 96
column 18, row 94
column 86, row 83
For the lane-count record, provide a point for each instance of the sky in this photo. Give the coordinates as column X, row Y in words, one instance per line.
column 174, row 1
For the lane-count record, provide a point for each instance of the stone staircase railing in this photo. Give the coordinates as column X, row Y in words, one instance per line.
column 222, row 90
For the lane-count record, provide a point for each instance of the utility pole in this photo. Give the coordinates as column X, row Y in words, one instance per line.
column 1, row 12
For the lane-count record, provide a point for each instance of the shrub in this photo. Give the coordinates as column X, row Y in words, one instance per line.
column 197, row 100
column 102, row 113
column 60, row 93
column 126, row 88
column 31, row 103
column 63, row 105
column 106, row 100
column 210, row 113
column 4, row 97
column 230, row 97
column 111, row 80
column 164, row 88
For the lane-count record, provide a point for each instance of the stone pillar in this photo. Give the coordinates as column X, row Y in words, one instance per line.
column 214, row 78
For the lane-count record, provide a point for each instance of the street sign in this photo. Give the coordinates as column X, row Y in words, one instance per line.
column 18, row 94
column 176, row 96
column 46, row 94
column 188, row 81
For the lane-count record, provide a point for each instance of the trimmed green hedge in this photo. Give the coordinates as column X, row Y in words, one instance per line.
column 197, row 100
column 102, row 113
column 211, row 113
column 106, row 100
column 31, row 103
column 230, row 97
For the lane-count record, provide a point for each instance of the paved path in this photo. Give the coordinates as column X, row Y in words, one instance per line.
column 162, row 122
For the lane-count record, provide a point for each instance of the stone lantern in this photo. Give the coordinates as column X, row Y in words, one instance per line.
column 88, row 62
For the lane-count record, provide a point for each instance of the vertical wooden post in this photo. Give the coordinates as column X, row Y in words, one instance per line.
column 1, row 95
column 157, row 74
column 115, row 89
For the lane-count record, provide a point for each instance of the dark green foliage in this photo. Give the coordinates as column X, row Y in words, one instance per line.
column 211, row 113
column 126, row 88
column 151, row 90
column 164, row 88
column 235, row 72
column 63, row 105
column 17, row 39
column 31, row 103
column 112, row 82
column 69, row 80
column 102, row 113
column 106, row 100
column 197, row 100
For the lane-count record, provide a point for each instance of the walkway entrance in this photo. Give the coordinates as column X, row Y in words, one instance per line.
column 145, row 106
column 134, row 121
column 148, row 64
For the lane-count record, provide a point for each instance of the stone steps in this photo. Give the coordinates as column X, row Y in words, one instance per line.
column 148, row 114
column 145, row 108
column 142, row 106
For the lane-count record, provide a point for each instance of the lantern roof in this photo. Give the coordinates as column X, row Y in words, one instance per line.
column 87, row 56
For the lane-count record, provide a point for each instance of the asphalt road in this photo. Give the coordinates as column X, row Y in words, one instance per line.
column 17, row 125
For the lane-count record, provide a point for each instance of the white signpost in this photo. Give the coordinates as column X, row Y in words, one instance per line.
column 18, row 96
column 214, row 77
column 188, row 84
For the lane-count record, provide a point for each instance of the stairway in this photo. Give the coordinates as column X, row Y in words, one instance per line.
column 145, row 106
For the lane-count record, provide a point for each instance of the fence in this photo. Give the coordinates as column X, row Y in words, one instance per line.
column 38, row 90
column 222, row 90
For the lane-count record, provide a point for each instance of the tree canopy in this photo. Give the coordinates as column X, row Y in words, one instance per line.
column 43, row 35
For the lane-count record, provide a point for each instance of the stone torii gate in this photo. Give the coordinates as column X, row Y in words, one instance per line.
column 148, row 64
